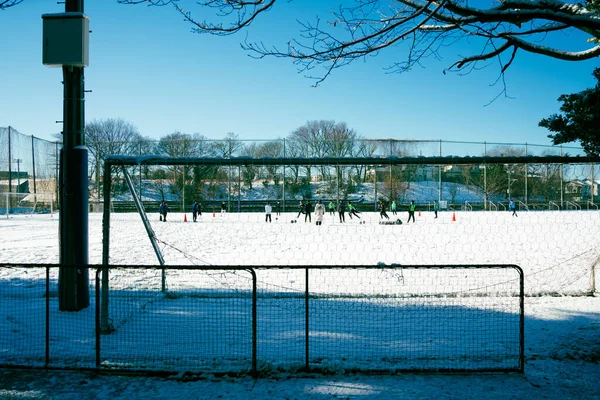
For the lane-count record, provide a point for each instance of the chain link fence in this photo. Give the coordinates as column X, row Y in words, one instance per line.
column 28, row 165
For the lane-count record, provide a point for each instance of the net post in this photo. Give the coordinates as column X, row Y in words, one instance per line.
column 306, row 322
column 47, row 355
column 105, row 326
column 149, row 230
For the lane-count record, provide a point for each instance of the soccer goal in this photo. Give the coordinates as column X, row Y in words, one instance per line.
column 26, row 204
column 215, row 214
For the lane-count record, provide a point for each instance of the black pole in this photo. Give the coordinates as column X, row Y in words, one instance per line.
column 9, row 165
column 306, row 323
column 33, row 164
column 56, row 175
column 47, row 353
column 73, row 278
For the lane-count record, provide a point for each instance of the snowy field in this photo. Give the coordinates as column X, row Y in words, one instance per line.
column 557, row 251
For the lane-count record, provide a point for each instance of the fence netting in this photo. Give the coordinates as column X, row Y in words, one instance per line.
column 268, row 320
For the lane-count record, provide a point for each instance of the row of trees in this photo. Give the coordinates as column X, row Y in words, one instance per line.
column 313, row 139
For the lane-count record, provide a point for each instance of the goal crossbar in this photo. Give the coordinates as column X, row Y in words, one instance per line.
column 391, row 160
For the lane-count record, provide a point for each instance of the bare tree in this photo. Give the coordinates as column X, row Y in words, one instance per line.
column 273, row 148
column 321, row 139
column 109, row 136
column 356, row 29
column 499, row 178
column 178, row 144
column 228, row 148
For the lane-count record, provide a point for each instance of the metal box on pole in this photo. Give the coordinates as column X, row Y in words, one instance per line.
column 65, row 39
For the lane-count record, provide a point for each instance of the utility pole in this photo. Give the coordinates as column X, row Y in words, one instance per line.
column 65, row 44
column 73, row 275
column 18, row 161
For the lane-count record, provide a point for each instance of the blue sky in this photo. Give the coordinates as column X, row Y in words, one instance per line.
column 149, row 69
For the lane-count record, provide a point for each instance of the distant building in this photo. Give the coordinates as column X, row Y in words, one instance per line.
column 582, row 189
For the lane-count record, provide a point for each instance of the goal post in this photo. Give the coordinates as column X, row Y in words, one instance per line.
column 229, row 225
column 551, row 246
column 26, row 204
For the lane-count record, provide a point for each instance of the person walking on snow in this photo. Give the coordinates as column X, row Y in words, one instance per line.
column 342, row 211
column 393, row 207
column 411, row 211
column 163, row 209
column 307, row 211
column 331, row 208
column 268, row 210
column 513, row 207
column 352, row 211
column 436, row 207
column 301, row 209
column 382, row 212
column 195, row 211
column 223, row 208
column 319, row 212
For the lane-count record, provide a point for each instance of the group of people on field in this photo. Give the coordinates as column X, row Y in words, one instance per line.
column 411, row 210
column 319, row 210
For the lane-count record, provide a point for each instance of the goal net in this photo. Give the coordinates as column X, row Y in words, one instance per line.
column 26, row 204
column 557, row 248
column 341, row 252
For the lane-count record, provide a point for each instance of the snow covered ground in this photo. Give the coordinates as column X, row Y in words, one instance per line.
column 557, row 251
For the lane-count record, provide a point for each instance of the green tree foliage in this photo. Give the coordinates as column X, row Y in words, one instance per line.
column 580, row 120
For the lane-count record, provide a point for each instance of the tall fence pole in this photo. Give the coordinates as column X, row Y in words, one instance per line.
column 306, row 321
column 56, row 175
column 560, row 171
column 283, row 192
column 105, row 325
column 33, row 165
column 526, row 181
column 592, row 185
column 9, row 163
column 439, row 176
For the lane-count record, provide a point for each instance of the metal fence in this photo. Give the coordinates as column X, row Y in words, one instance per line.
column 27, row 164
column 260, row 321
column 31, row 165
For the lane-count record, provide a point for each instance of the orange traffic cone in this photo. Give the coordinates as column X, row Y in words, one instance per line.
column 213, row 213
column 184, row 217
column 453, row 217
column 419, row 213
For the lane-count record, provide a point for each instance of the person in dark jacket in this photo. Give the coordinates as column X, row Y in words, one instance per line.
column 382, row 212
column 163, row 209
column 342, row 211
column 195, row 210
column 307, row 210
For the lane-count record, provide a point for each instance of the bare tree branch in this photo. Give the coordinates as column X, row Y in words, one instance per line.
column 421, row 28
column 148, row 2
column 4, row 4
column 243, row 14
